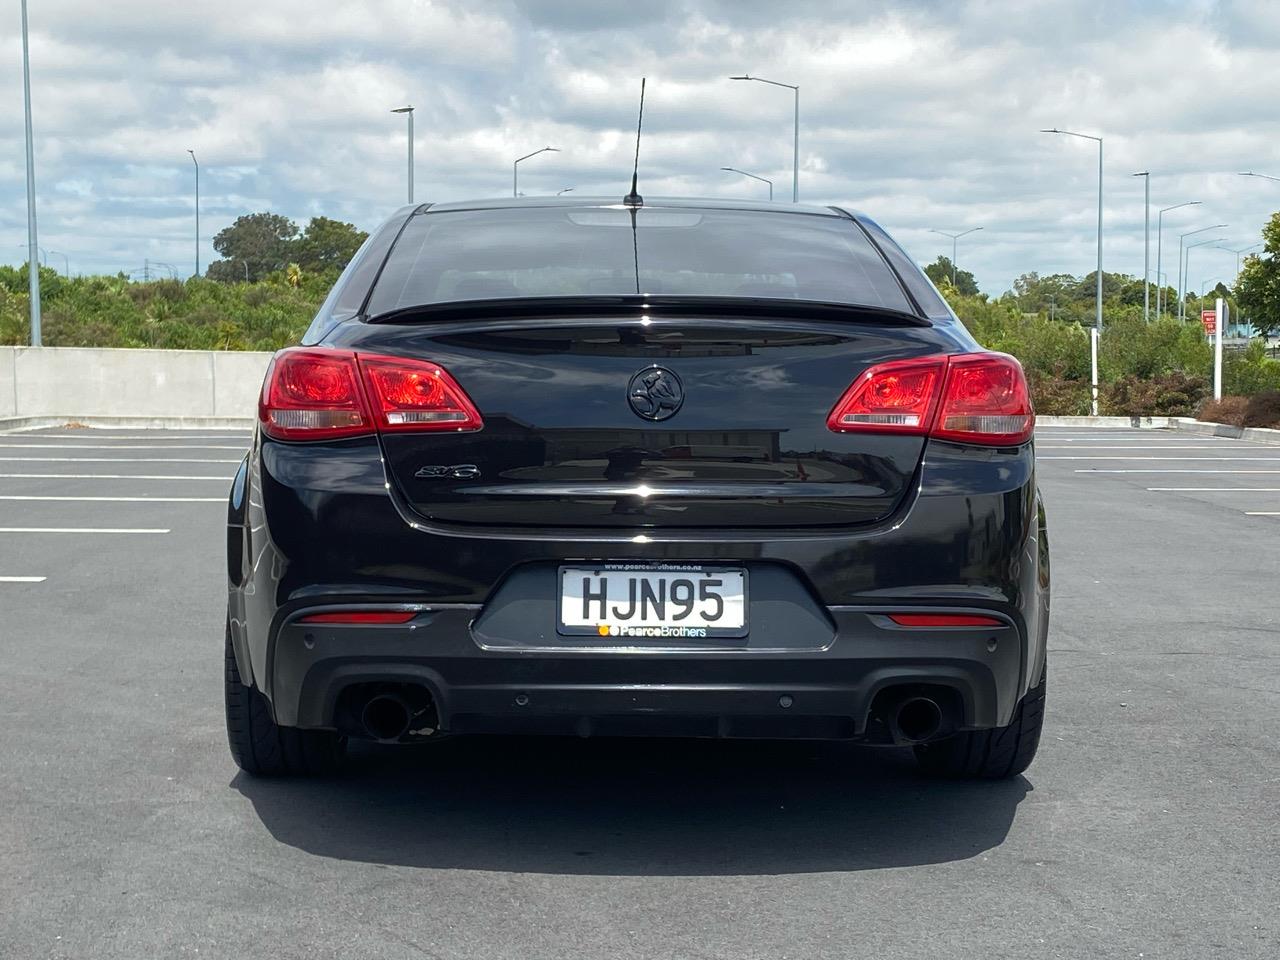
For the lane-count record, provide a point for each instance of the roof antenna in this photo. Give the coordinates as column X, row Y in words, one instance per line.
column 633, row 199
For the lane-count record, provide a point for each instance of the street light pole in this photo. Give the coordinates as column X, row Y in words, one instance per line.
column 954, row 237
column 66, row 262
column 408, row 112
column 515, row 168
column 753, row 177
column 1181, row 238
column 1238, row 252
column 564, row 190
column 197, row 163
column 1097, row 322
column 1187, row 271
column 33, row 249
column 795, row 144
column 1146, row 246
column 1263, row 176
column 1159, row 244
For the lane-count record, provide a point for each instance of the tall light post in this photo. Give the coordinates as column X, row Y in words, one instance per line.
column 1146, row 246
column 197, row 163
column 408, row 112
column 1181, row 238
column 66, row 262
column 1186, row 272
column 564, row 190
column 515, row 168
column 1097, row 320
column 795, row 144
column 33, row 247
column 753, row 177
column 954, row 237
column 1240, row 251
column 1159, row 243
column 1264, row 176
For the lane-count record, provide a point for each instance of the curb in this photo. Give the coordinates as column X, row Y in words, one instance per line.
column 1127, row 423
column 1203, row 429
column 13, row 424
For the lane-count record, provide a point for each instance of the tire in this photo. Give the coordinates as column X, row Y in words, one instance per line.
column 263, row 749
column 990, row 754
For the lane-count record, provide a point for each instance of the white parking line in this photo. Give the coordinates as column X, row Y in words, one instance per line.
column 1219, row 459
column 1169, row 470
column 1121, row 446
column 106, row 476
column 108, row 460
column 122, row 499
column 85, row 530
column 98, row 437
column 123, row 447
column 1262, row 513
column 23, row 579
column 1214, row 489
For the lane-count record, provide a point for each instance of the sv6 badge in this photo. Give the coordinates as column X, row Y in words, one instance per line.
column 458, row 471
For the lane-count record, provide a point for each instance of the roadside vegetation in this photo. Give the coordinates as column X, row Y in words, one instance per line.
column 1157, row 368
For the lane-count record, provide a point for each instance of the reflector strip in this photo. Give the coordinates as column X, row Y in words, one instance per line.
column 944, row 620
column 360, row 616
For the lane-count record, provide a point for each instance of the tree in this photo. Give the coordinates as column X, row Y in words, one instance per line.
column 1258, row 288
column 261, row 242
column 940, row 272
column 327, row 245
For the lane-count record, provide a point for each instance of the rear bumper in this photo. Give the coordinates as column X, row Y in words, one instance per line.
column 826, row 692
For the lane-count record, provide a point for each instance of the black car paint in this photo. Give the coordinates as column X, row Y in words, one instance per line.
column 945, row 526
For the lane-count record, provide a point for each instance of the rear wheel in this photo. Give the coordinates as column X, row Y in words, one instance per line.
column 262, row 748
column 990, row 754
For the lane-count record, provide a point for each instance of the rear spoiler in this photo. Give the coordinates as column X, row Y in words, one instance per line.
column 626, row 306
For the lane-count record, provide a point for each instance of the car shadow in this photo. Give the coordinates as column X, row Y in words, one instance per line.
column 635, row 807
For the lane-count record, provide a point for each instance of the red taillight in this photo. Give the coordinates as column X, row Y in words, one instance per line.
column 944, row 620
column 417, row 395
column 971, row 398
column 894, row 397
column 323, row 394
column 313, row 395
column 360, row 616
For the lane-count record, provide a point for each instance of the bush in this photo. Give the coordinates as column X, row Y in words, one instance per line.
column 1174, row 394
column 1262, row 410
column 1227, row 410
column 1056, row 396
column 1250, row 371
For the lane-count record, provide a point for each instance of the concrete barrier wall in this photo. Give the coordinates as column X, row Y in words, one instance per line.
column 90, row 382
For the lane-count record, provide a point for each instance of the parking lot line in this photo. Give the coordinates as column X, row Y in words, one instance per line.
column 23, row 579
column 1121, row 446
column 107, row 476
column 120, row 499
column 1214, row 489
column 1170, row 470
column 109, row 460
column 1219, row 459
column 1262, row 513
column 123, row 447
column 84, row 530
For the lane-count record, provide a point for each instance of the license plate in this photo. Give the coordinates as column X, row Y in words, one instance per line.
column 630, row 602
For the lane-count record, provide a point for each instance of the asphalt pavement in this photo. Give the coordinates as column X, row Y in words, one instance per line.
column 1146, row 828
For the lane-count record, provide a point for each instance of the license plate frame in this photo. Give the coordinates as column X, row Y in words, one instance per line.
column 623, row 629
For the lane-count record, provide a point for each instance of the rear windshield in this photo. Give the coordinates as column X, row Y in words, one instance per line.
column 449, row 256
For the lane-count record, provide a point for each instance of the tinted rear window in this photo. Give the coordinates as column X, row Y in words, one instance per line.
column 449, row 256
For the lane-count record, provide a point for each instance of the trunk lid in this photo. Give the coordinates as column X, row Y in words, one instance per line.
column 569, row 440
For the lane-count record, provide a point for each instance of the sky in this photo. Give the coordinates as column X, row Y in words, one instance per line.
column 923, row 115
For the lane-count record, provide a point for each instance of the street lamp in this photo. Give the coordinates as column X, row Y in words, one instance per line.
column 1146, row 246
column 515, row 168
column 795, row 146
column 1181, row 237
column 33, row 249
column 1240, row 251
column 66, row 261
column 954, row 237
column 564, row 190
column 197, row 163
column 753, row 177
column 1159, row 245
column 1264, row 176
column 1097, row 322
column 408, row 112
column 1212, row 241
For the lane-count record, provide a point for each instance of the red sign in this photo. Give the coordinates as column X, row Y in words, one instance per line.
column 1210, row 320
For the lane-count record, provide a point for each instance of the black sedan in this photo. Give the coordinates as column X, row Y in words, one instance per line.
column 662, row 468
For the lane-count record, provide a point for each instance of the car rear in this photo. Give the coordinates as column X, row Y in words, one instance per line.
column 681, row 469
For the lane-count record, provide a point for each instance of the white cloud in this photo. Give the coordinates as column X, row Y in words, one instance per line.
column 924, row 115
